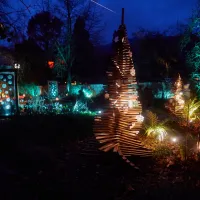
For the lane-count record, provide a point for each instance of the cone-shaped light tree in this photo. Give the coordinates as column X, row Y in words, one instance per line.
column 177, row 103
column 118, row 127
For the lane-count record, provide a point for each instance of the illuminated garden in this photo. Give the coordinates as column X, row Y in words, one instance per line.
column 82, row 120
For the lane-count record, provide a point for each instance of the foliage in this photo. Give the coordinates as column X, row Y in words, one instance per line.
column 39, row 106
column 44, row 29
column 149, row 142
column 86, row 9
column 177, row 102
column 191, row 109
column 83, row 51
column 65, row 47
column 182, row 152
column 193, row 61
column 157, row 53
column 29, row 89
column 190, row 46
column 154, row 127
column 13, row 17
column 32, row 62
column 89, row 91
column 6, row 56
column 162, row 151
column 80, row 106
column 2, row 31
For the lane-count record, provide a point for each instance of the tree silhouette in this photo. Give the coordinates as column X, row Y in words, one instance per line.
column 69, row 10
column 44, row 29
column 32, row 62
column 83, row 50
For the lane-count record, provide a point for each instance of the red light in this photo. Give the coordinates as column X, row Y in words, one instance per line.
column 51, row 64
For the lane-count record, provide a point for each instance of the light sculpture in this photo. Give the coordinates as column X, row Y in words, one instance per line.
column 8, row 91
column 118, row 126
column 53, row 89
column 177, row 103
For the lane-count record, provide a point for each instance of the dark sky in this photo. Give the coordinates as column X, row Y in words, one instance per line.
column 149, row 14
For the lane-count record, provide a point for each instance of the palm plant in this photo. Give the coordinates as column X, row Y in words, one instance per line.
column 154, row 127
column 190, row 116
column 191, row 109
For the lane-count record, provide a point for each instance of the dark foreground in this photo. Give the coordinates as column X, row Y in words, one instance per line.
column 57, row 158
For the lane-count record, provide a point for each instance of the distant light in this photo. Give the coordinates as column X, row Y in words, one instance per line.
column 174, row 139
column 57, row 98
column 17, row 66
column 51, row 64
column 140, row 118
column 99, row 112
column 7, row 107
column 8, row 99
column 4, row 86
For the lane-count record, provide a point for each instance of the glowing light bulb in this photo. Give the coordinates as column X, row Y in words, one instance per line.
column 174, row 139
column 7, row 107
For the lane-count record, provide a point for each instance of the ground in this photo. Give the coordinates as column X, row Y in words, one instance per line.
column 58, row 158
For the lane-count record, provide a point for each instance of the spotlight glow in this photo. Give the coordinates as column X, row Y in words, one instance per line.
column 174, row 139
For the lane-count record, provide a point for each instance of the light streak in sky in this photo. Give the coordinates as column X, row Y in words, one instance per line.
column 103, row 6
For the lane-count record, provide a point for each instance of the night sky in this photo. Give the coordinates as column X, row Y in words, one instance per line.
column 148, row 14
column 155, row 15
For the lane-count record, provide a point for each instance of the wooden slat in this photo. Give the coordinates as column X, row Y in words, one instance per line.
column 113, row 127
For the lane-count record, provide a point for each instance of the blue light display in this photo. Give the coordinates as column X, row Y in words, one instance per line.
column 8, row 97
column 53, row 89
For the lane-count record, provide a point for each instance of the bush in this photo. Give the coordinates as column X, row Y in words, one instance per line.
column 162, row 151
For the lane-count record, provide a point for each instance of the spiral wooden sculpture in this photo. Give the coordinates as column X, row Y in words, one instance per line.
column 117, row 128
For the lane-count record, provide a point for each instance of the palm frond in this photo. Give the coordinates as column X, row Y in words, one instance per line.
column 151, row 118
column 191, row 109
column 154, row 127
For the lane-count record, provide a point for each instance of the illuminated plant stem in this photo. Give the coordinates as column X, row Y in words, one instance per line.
column 198, row 141
column 187, row 131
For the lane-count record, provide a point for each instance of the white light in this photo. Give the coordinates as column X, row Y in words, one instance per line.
column 17, row 66
column 99, row 112
column 57, row 98
column 174, row 139
column 140, row 118
column 7, row 107
column 130, row 104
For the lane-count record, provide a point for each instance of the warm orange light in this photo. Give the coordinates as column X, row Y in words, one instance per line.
column 51, row 64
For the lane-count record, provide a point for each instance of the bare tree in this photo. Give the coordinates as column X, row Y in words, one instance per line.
column 69, row 10
column 14, row 17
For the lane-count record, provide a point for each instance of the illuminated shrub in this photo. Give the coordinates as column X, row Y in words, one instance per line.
column 162, row 151
column 30, row 89
column 90, row 91
column 153, row 127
